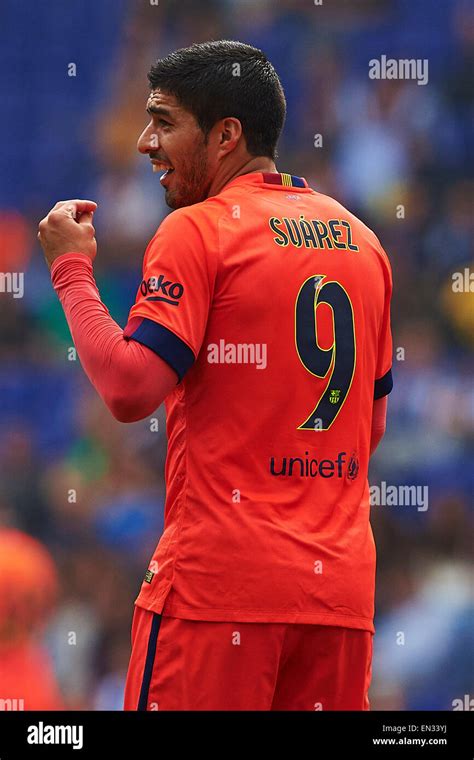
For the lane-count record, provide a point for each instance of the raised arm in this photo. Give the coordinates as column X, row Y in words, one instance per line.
column 131, row 378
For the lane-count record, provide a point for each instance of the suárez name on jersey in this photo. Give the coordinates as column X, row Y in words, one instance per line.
column 335, row 234
column 162, row 289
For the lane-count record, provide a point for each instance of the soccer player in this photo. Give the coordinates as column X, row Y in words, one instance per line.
column 263, row 321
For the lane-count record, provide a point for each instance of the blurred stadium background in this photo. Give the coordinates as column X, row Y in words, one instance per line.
column 386, row 143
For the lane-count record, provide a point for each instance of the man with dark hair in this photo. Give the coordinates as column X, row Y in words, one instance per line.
column 206, row 98
column 263, row 321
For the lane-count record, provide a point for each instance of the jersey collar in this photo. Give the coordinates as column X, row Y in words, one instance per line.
column 275, row 179
column 280, row 178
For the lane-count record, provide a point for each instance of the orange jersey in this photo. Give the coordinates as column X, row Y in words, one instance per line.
column 272, row 303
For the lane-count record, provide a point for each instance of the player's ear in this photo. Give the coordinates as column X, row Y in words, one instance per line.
column 230, row 132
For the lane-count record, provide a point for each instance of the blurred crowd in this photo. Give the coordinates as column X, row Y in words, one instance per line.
column 90, row 489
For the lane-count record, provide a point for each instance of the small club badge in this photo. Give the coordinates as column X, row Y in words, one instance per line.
column 334, row 396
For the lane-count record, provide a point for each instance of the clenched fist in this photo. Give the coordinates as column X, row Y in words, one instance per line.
column 68, row 228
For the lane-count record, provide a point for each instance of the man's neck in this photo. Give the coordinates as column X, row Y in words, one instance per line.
column 256, row 164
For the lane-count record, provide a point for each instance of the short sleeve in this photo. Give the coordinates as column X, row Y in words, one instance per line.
column 383, row 374
column 174, row 298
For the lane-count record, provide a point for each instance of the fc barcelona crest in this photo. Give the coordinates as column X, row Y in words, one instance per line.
column 334, row 396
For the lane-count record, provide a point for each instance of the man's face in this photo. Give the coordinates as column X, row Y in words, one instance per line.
column 173, row 140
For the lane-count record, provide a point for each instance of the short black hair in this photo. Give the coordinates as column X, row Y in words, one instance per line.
column 224, row 78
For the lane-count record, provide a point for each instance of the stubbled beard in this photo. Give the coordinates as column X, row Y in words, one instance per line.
column 194, row 188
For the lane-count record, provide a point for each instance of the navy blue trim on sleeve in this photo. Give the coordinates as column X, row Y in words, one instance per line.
column 383, row 385
column 162, row 341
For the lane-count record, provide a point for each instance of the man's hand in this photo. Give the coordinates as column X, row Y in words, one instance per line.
column 67, row 228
